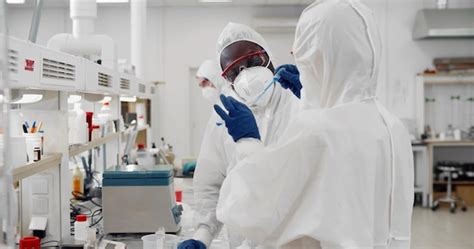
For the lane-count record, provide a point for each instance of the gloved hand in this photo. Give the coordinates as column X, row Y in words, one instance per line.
column 240, row 121
column 191, row 244
column 290, row 78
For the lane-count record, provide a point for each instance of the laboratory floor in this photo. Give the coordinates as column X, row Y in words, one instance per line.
column 442, row 230
column 430, row 230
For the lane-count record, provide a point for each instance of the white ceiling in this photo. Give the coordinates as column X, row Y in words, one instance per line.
column 157, row 3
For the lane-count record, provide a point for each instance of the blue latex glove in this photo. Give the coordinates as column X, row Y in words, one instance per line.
column 290, row 78
column 191, row 244
column 189, row 168
column 240, row 121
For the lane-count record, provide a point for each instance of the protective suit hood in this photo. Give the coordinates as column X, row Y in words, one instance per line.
column 234, row 32
column 338, row 59
column 211, row 70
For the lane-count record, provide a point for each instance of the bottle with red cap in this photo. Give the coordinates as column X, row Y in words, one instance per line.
column 29, row 243
column 80, row 228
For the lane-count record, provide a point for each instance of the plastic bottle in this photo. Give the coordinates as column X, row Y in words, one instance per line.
column 77, row 180
column 91, row 242
column 78, row 126
column 105, row 112
column 80, row 228
column 143, row 156
column 105, row 118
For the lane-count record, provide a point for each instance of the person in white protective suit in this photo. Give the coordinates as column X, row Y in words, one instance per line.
column 341, row 175
column 210, row 81
column 272, row 111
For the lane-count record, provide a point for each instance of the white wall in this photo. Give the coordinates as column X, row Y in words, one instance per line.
column 180, row 38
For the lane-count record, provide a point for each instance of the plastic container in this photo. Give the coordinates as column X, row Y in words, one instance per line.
column 105, row 118
column 29, row 243
column 140, row 108
column 80, row 228
column 78, row 126
column 77, row 181
column 171, row 241
column 33, row 140
column 179, row 195
column 105, row 112
column 91, row 242
column 144, row 157
column 153, row 241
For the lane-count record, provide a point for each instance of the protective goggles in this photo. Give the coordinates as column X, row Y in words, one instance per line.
column 253, row 59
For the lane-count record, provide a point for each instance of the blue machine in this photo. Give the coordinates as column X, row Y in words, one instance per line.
column 140, row 199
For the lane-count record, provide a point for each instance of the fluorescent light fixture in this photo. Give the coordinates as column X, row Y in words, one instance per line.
column 128, row 98
column 215, row 1
column 28, row 99
column 73, row 98
column 1, row 98
column 112, row 1
column 16, row 1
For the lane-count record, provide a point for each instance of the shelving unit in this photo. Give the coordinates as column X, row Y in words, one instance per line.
column 47, row 162
column 75, row 150
column 439, row 90
column 92, row 82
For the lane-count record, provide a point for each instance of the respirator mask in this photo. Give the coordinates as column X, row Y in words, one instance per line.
column 255, row 86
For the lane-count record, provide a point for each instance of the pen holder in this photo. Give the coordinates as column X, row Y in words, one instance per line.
column 33, row 142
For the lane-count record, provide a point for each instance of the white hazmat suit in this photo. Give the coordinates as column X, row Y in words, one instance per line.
column 211, row 71
column 342, row 174
column 218, row 149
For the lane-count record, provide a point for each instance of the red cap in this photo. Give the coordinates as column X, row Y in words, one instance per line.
column 179, row 195
column 106, row 103
column 29, row 243
column 141, row 146
column 81, row 218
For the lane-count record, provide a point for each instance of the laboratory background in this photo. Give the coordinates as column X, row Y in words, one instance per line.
column 103, row 115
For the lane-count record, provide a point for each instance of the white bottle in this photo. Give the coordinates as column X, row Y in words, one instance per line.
column 105, row 118
column 80, row 228
column 78, row 127
column 140, row 109
column 105, row 113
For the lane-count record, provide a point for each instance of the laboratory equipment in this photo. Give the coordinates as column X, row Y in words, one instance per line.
column 430, row 127
column 80, row 226
column 33, row 140
column 77, row 181
column 78, row 126
column 449, row 198
column 140, row 199
column 91, row 242
column 152, row 241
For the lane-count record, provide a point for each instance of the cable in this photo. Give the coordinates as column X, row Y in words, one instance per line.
column 50, row 241
column 97, row 222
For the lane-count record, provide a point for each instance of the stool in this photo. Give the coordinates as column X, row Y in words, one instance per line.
column 449, row 197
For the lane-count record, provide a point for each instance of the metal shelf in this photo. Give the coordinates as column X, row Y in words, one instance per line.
column 437, row 142
column 448, row 78
column 75, row 150
column 48, row 161
column 455, row 182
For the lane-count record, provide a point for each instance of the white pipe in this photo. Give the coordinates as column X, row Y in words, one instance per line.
column 83, row 42
column 100, row 45
column 138, row 32
column 83, row 14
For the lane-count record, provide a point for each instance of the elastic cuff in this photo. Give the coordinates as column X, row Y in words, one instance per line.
column 204, row 235
column 247, row 146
